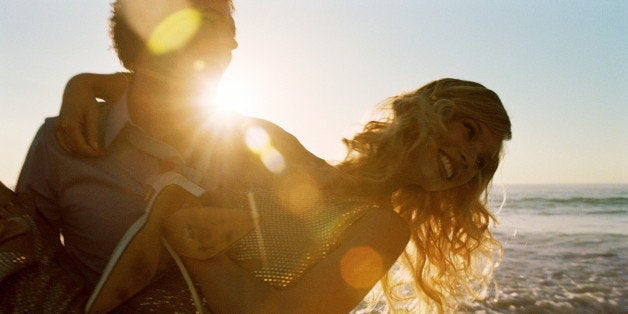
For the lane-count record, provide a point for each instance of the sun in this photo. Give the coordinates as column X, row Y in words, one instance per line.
column 232, row 96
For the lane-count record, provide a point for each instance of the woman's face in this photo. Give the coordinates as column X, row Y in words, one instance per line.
column 453, row 158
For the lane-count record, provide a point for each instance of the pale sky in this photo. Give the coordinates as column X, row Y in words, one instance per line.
column 317, row 67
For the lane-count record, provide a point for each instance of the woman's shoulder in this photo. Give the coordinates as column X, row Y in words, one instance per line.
column 388, row 232
column 276, row 138
column 389, row 226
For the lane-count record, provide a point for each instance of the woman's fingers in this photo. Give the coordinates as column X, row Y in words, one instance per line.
column 72, row 139
column 77, row 124
column 92, row 130
column 62, row 139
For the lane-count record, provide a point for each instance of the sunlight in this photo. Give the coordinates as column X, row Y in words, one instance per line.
column 220, row 103
column 259, row 142
column 232, row 96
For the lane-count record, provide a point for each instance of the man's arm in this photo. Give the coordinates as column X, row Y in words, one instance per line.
column 36, row 179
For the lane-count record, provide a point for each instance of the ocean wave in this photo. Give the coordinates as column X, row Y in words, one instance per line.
column 607, row 212
column 589, row 212
column 610, row 201
column 574, row 303
column 548, row 206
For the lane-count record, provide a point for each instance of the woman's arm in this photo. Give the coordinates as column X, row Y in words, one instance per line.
column 334, row 285
column 77, row 124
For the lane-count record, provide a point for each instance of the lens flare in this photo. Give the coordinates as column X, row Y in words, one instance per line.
column 258, row 231
column 259, row 142
column 199, row 65
column 175, row 31
column 257, row 139
column 273, row 160
column 361, row 267
column 299, row 192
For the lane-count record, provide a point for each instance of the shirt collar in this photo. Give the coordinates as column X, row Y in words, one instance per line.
column 119, row 123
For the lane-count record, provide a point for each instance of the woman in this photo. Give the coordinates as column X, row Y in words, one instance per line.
column 421, row 173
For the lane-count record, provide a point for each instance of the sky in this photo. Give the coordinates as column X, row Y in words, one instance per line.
column 318, row 68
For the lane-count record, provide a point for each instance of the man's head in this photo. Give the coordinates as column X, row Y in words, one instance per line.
column 130, row 30
column 178, row 40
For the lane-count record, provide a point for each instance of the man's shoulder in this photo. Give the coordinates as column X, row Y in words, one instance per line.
column 48, row 128
column 44, row 153
column 47, row 131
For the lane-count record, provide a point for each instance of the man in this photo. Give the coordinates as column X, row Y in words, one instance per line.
column 91, row 203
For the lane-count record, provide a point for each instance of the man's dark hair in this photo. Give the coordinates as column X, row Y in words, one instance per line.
column 126, row 42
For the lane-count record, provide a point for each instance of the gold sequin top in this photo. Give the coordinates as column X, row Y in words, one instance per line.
column 297, row 230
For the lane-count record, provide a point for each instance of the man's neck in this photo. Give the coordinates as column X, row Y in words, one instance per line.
column 164, row 116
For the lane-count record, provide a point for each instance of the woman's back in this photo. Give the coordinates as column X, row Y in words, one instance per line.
column 302, row 217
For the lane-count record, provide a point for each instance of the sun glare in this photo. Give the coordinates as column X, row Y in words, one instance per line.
column 175, row 31
column 232, row 97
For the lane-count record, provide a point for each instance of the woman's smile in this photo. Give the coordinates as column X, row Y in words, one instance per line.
column 447, row 167
column 453, row 158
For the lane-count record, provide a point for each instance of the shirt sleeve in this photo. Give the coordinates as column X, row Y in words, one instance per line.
column 37, row 179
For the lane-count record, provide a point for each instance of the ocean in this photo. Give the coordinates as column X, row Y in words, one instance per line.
column 565, row 250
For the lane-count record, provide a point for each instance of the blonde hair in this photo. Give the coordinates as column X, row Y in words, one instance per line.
column 451, row 253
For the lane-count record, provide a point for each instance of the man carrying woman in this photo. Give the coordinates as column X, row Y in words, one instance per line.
column 414, row 180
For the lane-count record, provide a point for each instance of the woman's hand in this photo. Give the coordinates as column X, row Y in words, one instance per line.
column 77, row 125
